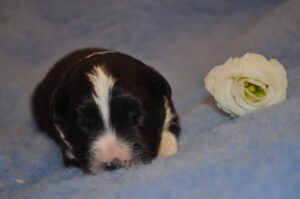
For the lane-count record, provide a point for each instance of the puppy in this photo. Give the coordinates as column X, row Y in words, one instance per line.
column 106, row 110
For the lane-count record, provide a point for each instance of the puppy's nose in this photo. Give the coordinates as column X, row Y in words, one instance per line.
column 115, row 164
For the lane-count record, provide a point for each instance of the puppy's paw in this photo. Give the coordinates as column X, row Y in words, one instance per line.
column 168, row 145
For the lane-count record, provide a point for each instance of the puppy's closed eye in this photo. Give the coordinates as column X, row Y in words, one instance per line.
column 87, row 117
column 126, row 112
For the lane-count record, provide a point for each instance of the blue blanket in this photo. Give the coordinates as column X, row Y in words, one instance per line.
column 255, row 156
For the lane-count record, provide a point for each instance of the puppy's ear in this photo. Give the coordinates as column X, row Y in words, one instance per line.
column 58, row 105
column 59, row 98
column 159, row 85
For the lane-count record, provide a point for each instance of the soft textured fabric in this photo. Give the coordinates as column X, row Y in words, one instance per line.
column 254, row 156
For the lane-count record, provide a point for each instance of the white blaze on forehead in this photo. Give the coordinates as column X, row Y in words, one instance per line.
column 107, row 146
column 103, row 84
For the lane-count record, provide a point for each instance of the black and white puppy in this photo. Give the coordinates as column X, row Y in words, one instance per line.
column 106, row 110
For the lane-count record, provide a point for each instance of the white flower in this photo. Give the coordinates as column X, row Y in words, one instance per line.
column 248, row 83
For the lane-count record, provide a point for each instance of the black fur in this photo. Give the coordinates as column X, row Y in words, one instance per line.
column 64, row 98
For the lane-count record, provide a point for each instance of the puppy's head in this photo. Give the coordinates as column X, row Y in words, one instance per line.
column 109, row 111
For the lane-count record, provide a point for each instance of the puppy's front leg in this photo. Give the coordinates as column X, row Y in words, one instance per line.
column 168, row 144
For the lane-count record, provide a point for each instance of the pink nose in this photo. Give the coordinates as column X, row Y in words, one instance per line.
column 110, row 153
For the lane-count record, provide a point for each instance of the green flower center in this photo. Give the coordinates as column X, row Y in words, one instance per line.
column 254, row 92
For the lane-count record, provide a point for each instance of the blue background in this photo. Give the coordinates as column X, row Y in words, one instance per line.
column 255, row 156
